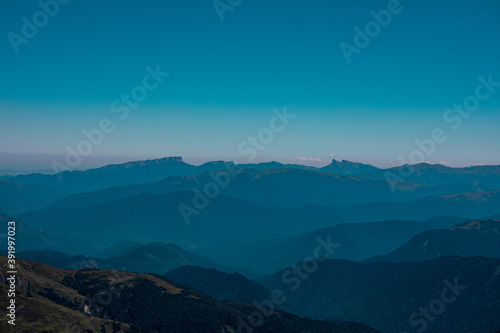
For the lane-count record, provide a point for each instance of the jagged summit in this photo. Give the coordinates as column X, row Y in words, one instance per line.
column 345, row 167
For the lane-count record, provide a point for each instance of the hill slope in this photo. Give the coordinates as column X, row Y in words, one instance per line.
column 469, row 239
column 51, row 299
column 223, row 286
column 388, row 296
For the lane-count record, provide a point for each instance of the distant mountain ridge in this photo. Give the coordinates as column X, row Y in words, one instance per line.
column 272, row 187
column 137, row 172
column 438, row 174
column 154, row 170
column 137, row 164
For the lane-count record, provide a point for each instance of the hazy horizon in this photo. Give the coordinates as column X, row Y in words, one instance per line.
column 29, row 163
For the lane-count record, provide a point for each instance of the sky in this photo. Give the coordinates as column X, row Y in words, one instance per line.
column 218, row 73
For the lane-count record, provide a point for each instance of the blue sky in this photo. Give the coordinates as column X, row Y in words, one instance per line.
column 227, row 76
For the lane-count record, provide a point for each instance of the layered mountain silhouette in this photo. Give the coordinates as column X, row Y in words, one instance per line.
column 147, row 218
column 32, row 238
column 158, row 258
column 272, row 184
column 353, row 241
column 150, row 218
column 340, row 245
column 16, row 198
column 271, row 187
column 469, row 239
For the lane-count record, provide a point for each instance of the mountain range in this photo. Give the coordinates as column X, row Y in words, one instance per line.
column 346, row 247
column 271, row 184
column 147, row 171
column 140, row 172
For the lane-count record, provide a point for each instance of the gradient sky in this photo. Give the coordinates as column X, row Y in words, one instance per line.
column 227, row 76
